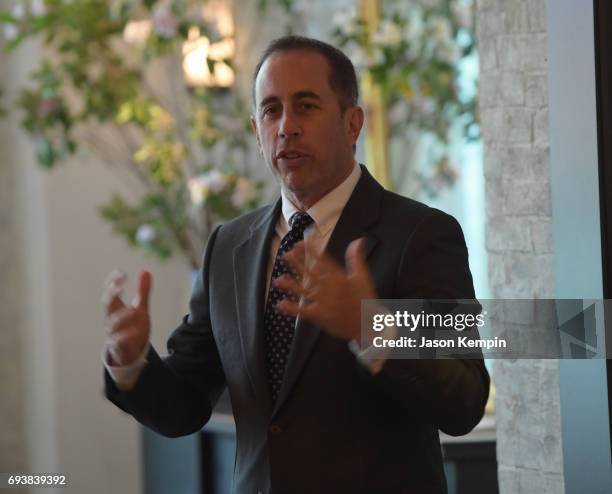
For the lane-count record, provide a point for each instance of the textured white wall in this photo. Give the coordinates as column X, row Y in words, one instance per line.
column 64, row 252
column 512, row 39
column 12, row 406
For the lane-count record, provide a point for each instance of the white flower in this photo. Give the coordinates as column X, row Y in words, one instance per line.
column 243, row 193
column 217, row 181
column 10, row 31
column 364, row 59
column 413, row 30
column 145, row 234
column 388, row 34
column 198, row 190
column 201, row 186
column 18, row 11
column 424, row 105
column 345, row 21
column 136, row 32
column 37, row 7
column 302, row 7
column 165, row 23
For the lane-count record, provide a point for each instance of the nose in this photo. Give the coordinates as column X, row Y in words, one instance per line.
column 289, row 126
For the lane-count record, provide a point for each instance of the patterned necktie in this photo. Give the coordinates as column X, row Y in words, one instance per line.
column 278, row 327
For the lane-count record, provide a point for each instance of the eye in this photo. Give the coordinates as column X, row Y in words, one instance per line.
column 306, row 105
column 269, row 110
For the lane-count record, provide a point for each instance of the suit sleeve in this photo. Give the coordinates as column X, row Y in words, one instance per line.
column 451, row 393
column 175, row 395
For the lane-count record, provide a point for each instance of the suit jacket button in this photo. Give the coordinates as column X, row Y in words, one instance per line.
column 275, row 430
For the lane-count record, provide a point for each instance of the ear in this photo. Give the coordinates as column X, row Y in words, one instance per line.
column 254, row 127
column 354, row 117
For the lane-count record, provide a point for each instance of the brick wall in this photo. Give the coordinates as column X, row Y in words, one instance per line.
column 514, row 115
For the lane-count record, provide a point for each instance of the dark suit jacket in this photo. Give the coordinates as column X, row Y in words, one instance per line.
column 335, row 427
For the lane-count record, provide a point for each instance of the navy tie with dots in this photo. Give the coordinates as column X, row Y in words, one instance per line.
column 278, row 327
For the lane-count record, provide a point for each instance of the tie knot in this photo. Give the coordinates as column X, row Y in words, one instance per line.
column 299, row 221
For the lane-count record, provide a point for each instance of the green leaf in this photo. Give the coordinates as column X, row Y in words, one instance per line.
column 71, row 146
column 7, row 18
column 44, row 153
column 14, row 43
column 149, row 4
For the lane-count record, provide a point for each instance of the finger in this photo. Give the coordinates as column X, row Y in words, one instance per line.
column 112, row 321
column 113, row 353
column 116, row 276
column 289, row 285
column 306, row 258
column 119, row 320
column 144, row 289
column 116, row 344
column 355, row 258
column 111, row 298
column 123, row 338
column 323, row 267
column 288, row 307
column 295, row 309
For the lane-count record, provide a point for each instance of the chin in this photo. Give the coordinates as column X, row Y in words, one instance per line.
column 297, row 190
column 296, row 180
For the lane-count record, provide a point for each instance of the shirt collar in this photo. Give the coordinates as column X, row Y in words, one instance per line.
column 326, row 211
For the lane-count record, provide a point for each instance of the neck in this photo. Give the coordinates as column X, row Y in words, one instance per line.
column 300, row 202
column 304, row 200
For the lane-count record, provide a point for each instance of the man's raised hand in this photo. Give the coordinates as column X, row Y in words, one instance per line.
column 330, row 295
column 128, row 326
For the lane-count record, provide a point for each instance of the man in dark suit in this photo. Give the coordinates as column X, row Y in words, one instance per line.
column 277, row 319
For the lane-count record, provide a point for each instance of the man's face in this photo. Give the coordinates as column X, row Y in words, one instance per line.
column 301, row 131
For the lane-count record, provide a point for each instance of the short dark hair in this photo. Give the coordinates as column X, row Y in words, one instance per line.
column 342, row 77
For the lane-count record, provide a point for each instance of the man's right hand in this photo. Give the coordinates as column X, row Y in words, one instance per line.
column 128, row 326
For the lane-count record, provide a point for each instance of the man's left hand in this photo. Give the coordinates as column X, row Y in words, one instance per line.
column 329, row 296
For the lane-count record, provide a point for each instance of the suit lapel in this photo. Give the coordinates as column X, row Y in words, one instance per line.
column 250, row 271
column 360, row 213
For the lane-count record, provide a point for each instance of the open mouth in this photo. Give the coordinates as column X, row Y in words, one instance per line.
column 290, row 155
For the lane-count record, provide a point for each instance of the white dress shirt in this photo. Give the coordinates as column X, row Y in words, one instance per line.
column 325, row 214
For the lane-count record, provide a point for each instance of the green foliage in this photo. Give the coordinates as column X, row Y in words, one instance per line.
column 47, row 118
column 94, row 76
column 174, row 139
column 154, row 216
column 414, row 56
column 286, row 5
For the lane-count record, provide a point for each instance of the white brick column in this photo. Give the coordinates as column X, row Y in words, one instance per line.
column 512, row 44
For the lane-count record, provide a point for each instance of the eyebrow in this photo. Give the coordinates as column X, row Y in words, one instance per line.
column 296, row 96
